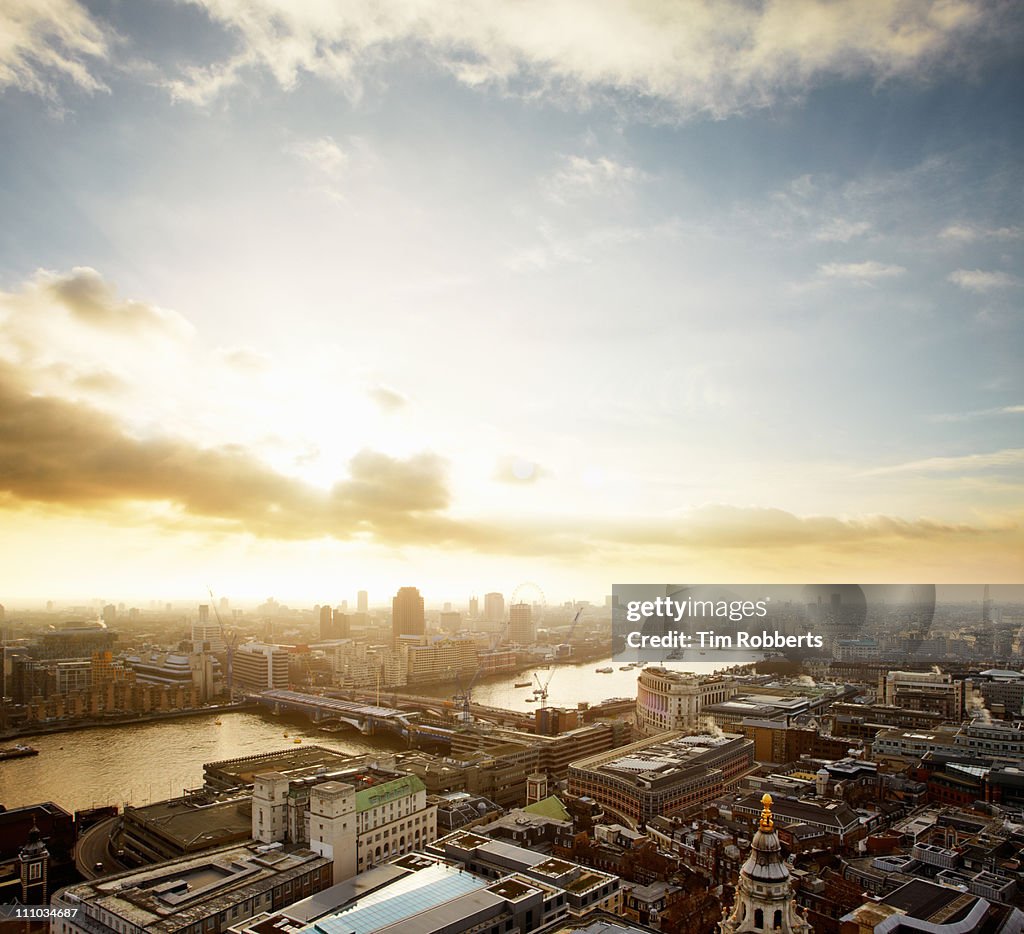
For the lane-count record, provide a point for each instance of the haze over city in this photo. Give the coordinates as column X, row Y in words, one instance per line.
column 294, row 294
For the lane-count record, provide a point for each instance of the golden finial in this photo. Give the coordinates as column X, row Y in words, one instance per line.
column 766, row 815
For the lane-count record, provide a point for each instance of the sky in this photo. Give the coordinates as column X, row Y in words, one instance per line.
column 301, row 299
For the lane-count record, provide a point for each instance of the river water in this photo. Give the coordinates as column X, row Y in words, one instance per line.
column 153, row 761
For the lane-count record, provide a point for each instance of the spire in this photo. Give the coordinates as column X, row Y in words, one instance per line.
column 767, row 824
column 35, row 847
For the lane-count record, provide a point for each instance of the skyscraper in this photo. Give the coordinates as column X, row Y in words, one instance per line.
column 407, row 618
column 474, row 607
column 362, row 602
column 326, row 622
column 494, row 607
column 520, row 624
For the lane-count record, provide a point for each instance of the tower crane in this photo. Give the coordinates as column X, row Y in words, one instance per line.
column 465, row 697
column 541, row 690
column 229, row 643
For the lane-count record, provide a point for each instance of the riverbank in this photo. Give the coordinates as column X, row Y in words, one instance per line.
column 42, row 728
column 140, row 763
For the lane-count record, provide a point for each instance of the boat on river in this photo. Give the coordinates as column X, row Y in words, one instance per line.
column 20, row 751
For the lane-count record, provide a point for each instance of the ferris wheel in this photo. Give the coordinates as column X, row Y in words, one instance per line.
column 530, row 593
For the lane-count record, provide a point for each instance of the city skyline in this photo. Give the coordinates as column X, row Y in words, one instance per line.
column 719, row 293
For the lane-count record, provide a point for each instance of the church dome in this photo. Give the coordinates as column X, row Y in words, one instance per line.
column 764, row 864
column 764, row 894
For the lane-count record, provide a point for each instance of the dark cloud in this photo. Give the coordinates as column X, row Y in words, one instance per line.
column 90, row 299
column 57, row 452
column 67, row 456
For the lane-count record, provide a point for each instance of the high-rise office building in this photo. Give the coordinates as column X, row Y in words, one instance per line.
column 474, row 608
column 259, row 667
column 326, row 622
column 362, row 602
column 407, row 617
column 208, row 634
column 494, row 607
column 520, row 624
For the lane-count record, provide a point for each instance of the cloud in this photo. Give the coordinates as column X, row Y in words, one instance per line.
column 863, row 273
column 555, row 248
column 387, row 399
column 708, row 56
column 94, row 302
column 971, row 233
column 67, row 458
column 246, row 359
column 980, row 280
column 581, row 176
column 323, row 154
column 202, row 84
column 43, row 44
column 100, row 381
column 841, row 230
column 67, row 455
column 978, row 413
column 966, row 463
column 723, row 526
column 518, row 470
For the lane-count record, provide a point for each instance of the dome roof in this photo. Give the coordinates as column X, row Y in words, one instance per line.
column 765, row 861
column 764, row 864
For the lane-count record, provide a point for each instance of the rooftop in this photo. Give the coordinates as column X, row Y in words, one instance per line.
column 409, row 896
column 285, row 761
column 550, row 807
column 173, row 895
column 927, row 901
column 664, row 758
column 836, row 815
column 197, row 821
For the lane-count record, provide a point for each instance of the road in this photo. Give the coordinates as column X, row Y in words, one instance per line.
column 93, row 848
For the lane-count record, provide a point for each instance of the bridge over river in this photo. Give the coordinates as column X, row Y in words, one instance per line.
column 367, row 718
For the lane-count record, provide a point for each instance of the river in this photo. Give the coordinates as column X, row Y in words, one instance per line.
column 153, row 761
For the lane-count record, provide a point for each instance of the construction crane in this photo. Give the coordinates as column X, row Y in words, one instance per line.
column 464, row 698
column 541, row 690
column 229, row 643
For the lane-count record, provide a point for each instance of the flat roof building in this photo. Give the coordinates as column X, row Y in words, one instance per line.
column 424, row 893
column 258, row 667
column 663, row 774
column 199, row 894
column 186, row 825
column 358, row 816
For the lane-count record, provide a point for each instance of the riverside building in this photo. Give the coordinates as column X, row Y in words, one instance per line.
column 672, row 700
